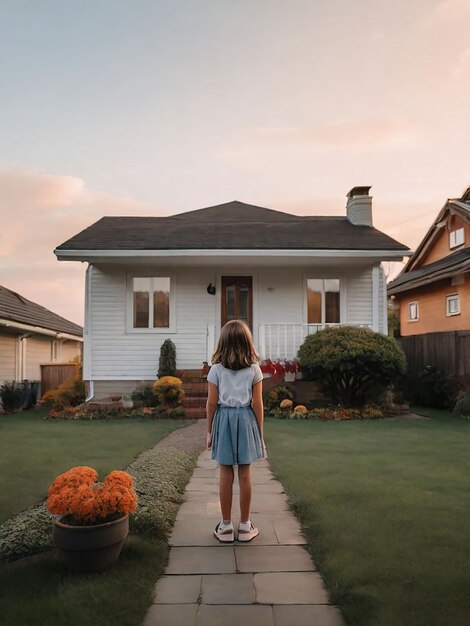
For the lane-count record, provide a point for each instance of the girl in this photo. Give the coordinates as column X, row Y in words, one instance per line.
column 235, row 422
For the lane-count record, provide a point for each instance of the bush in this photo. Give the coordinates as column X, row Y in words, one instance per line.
column 169, row 391
column 167, row 362
column 274, row 397
column 11, row 395
column 337, row 413
column 462, row 406
column 145, row 394
column 70, row 393
column 430, row 387
column 352, row 365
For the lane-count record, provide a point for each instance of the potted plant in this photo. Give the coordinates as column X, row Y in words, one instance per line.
column 92, row 518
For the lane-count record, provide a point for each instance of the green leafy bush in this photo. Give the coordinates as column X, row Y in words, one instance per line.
column 462, row 406
column 145, row 394
column 11, row 395
column 167, row 362
column 353, row 365
column 274, row 396
column 430, row 387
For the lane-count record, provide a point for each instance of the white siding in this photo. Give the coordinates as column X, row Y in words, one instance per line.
column 7, row 357
column 119, row 354
column 359, row 296
column 38, row 350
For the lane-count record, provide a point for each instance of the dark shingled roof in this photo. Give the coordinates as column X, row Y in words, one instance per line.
column 19, row 309
column 230, row 226
column 455, row 263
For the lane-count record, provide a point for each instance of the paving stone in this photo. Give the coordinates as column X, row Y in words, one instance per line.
column 201, row 560
column 288, row 531
column 234, row 615
column 263, row 503
column 178, row 589
column 227, row 589
column 199, row 472
column 307, row 615
column 195, row 532
column 272, row 559
column 290, row 588
column 191, row 509
column 171, row 615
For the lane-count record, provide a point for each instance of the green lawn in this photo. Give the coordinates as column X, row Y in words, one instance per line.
column 34, row 450
column 386, row 509
column 41, row 590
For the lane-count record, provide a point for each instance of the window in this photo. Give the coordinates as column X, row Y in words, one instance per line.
column 413, row 312
column 456, row 238
column 151, row 302
column 453, row 304
column 323, row 301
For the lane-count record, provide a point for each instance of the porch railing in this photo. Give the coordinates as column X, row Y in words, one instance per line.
column 282, row 341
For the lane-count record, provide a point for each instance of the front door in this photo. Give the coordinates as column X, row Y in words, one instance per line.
column 237, row 299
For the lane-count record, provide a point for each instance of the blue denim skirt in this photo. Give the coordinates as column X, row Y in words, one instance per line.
column 236, row 437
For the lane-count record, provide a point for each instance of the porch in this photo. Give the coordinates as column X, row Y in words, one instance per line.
column 278, row 341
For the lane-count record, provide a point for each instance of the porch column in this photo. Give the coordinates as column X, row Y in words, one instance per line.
column 375, row 298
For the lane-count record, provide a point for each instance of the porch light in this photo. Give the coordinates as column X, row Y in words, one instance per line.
column 211, row 289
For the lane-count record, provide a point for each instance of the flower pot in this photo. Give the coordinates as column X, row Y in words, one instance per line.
column 90, row 548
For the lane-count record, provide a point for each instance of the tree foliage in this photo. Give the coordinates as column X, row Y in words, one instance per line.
column 167, row 363
column 351, row 364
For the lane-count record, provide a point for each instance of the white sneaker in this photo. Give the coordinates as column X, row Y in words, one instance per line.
column 224, row 532
column 246, row 531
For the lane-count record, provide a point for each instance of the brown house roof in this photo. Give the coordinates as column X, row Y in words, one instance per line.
column 455, row 263
column 231, row 226
column 19, row 309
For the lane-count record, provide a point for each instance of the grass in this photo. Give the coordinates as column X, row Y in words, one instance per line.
column 41, row 590
column 33, row 451
column 385, row 507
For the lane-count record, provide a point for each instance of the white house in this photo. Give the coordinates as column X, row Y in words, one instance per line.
column 182, row 277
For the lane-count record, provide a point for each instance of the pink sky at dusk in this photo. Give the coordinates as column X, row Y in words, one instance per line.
column 155, row 110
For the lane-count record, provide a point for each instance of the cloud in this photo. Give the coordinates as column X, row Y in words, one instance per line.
column 450, row 12
column 341, row 133
column 39, row 211
column 462, row 68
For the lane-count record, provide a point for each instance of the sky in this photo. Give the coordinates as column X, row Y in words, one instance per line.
column 114, row 107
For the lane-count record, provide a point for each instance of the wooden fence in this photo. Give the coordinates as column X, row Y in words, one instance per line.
column 54, row 374
column 450, row 352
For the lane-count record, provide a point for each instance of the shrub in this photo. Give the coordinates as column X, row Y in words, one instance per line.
column 462, row 406
column 145, row 394
column 430, row 387
column 274, row 397
column 351, row 364
column 11, row 395
column 167, row 362
column 169, row 390
column 70, row 393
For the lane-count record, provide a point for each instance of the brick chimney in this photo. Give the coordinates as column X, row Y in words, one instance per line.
column 359, row 206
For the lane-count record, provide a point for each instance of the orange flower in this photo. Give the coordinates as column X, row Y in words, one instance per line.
column 77, row 493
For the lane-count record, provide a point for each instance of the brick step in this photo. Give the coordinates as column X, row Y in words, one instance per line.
column 199, row 402
column 195, row 413
column 190, row 375
column 189, row 393
column 199, row 386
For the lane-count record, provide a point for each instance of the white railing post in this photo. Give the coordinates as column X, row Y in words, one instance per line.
column 210, row 342
column 262, row 341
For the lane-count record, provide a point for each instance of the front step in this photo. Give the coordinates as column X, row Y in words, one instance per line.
column 195, row 412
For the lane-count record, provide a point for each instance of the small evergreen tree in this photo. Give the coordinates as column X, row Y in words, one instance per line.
column 167, row 363
column 351, row 364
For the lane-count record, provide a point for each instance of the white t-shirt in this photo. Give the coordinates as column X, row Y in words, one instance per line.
column 235, row 386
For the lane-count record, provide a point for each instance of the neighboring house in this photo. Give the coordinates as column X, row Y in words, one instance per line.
column 433, row 290
column 31, row 335
column 182, row 277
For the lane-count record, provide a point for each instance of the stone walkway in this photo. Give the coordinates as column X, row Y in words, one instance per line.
column 270, row 581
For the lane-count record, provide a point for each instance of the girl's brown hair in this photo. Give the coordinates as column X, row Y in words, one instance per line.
column 235, row 348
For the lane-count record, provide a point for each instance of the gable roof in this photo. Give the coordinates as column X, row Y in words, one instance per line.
column 448, row 266
column 230, row 226
column 458, row 206
column 19, row 309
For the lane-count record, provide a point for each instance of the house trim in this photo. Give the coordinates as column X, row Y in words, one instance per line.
column 39, row 330
column 79, row 255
